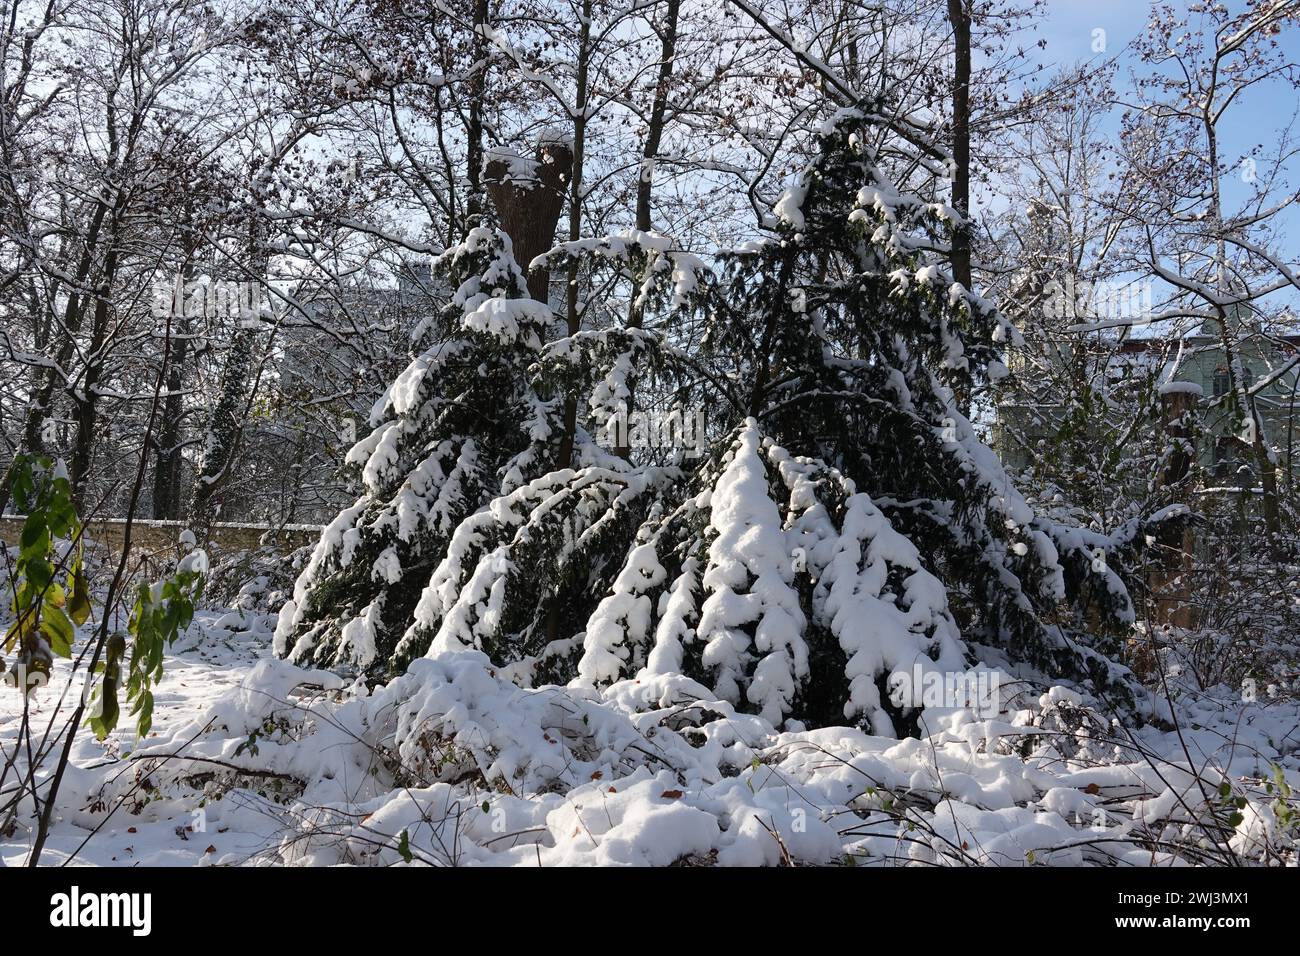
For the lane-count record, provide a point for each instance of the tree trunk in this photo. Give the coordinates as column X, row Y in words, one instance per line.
column 645, row 178
column 73, row 313
column 167, row 463
column 564, row 456
column 474, row 120
column 655, row 131
column 959, row 16
column 529, row 210
column 1243, row 403
column 225, row 429
column 86, row 398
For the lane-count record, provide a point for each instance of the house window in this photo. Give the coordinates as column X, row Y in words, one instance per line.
column 1232, row 462
column 1221, row 381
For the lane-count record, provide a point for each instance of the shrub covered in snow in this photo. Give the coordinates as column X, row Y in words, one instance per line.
column 253, row 585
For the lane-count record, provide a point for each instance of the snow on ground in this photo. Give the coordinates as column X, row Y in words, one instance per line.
column 255, row 761
column 202, row 667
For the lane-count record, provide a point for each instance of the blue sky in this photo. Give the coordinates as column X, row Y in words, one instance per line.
column 1068, row 27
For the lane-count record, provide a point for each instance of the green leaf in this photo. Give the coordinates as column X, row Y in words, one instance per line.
column 35, row 536
column 404, row 847
column 58, row 631
column 79, row 606
column 104, row 720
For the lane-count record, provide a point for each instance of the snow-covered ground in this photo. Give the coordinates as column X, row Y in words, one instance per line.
column 254, row 761
column 201, row 668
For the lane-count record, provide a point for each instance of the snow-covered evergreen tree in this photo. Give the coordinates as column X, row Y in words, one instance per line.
column 469, row 527
column 462, row 419
column 845, row 530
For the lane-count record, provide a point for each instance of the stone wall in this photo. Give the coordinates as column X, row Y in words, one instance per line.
column 149, row 537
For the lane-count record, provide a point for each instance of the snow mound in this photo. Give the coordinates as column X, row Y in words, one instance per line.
column 451, row 763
